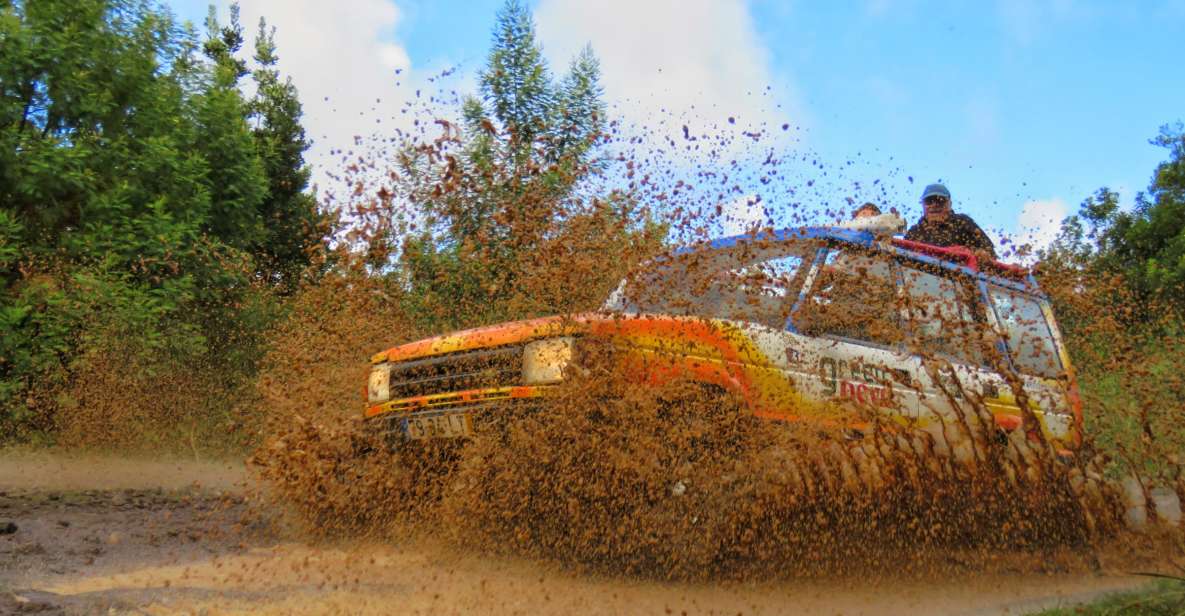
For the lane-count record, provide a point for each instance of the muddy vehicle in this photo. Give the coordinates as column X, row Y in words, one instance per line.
column 824, row 324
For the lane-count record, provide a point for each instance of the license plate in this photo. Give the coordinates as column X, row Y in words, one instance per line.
column 453, row 425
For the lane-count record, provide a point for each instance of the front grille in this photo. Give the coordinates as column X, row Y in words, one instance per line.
column 497, row 367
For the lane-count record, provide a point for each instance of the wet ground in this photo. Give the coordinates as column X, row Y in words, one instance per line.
column 109, row 535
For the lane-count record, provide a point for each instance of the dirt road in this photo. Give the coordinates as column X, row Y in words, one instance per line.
column 124, row 536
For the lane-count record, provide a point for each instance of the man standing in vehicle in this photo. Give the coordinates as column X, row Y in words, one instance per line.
column 868, row 210
column 940, row 226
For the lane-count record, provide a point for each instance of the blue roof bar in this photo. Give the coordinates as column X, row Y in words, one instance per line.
column 864, row 239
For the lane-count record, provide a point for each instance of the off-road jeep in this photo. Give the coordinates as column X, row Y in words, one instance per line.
column 798, row 323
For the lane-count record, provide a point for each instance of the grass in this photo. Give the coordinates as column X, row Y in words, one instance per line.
column 1165, row 597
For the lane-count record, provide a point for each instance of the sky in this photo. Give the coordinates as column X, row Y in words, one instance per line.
column 1022, row 107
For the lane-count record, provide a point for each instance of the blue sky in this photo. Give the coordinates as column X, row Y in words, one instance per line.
column 1022, row 108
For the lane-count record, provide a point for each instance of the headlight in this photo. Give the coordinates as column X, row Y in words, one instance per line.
column 1058, row 425
column 544, row 361
column 379, row 387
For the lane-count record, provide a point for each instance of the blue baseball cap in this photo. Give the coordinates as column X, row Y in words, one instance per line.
column 935, row 189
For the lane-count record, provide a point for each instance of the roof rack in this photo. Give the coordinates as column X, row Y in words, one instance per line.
column 963, row 255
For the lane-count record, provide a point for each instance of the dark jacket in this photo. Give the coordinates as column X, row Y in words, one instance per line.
column 956, row 230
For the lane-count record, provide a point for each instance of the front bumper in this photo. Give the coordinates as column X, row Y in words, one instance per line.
column 457, row 401
column 395, row 416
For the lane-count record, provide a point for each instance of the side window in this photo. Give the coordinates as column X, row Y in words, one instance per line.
column 943, row 318
column 1029, row 339
column 760, row 292
column 854, row 296
column 755, row 282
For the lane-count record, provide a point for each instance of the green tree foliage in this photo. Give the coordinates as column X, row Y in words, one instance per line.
column 293, row 223
column 516, row 83
column 505, row 188
column 139, row 190
column 285, row 221
column 1145, row 245
column 579, row 112
column 1116, row 278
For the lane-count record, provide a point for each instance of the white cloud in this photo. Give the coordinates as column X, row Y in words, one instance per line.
column 666, row 63
column 1040, row 221
column 743, row 215
column 343, row 60
column 394, row 56
column 670, row 63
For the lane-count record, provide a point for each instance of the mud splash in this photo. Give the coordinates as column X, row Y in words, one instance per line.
column 679, row 483
column 670, row 482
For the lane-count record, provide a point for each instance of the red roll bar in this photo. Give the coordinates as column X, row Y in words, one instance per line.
column 959, row 254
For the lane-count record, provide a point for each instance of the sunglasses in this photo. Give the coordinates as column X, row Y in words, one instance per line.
column 935, row 200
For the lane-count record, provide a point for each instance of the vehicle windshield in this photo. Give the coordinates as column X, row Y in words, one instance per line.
column 1027, row 332
column 753, row 281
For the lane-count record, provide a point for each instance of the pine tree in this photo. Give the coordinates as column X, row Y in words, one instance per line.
column 237, row 180
column 223, row 43
column 294, row 224
column 508, row 191
column 540, row 122
column 580, row 112
column 516, row 83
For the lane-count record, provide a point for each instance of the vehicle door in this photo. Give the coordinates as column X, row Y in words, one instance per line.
column 1031, row 339
column 750, row 294
column 952, row 342
column 847, row 332
column 745, row 290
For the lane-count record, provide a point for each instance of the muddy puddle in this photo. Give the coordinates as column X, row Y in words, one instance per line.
column 147, row 548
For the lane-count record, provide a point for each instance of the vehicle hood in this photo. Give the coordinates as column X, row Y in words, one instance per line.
column 512, row 332
column 692, row 336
